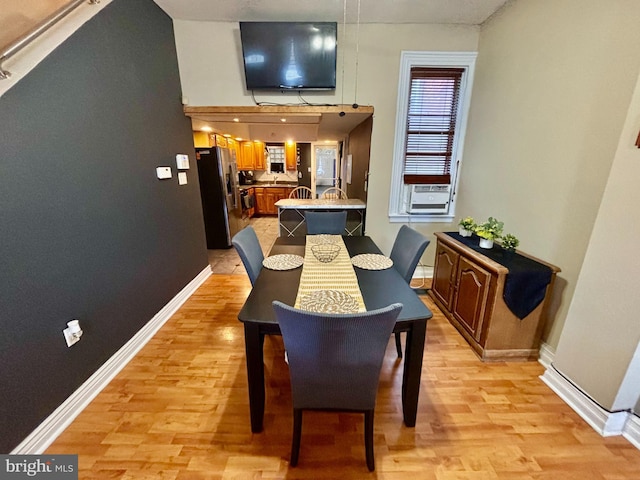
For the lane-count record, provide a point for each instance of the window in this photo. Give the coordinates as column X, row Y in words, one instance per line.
column 433, row 101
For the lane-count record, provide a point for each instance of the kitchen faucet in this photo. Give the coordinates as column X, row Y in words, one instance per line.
column 275, row 179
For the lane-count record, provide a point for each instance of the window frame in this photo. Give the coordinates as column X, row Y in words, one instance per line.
column 399, row 192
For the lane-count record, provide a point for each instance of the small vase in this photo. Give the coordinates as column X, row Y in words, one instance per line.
column 464, row 232
column 486, row 243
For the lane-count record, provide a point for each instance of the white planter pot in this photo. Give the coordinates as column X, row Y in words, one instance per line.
column 463, row 232
column 484, row 243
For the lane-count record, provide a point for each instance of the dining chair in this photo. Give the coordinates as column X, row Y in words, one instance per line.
column 407, row 249
column 334, row 193
column 334, row 363
column 333, row 223
column 301, row 192
column 248, row 247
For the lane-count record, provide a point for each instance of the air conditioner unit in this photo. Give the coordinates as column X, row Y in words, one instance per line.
column 429, row 198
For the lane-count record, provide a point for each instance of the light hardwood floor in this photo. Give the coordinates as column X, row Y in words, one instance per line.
column 179, row 410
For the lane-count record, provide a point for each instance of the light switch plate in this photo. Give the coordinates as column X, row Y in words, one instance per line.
column 182, row 161
column 182, row 178
column 163, row 172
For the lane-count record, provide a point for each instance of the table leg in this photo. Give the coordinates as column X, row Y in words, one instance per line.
column 254, row 343
column 414, row 351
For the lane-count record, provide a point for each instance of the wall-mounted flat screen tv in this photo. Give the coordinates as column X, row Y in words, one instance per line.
column 289, row 55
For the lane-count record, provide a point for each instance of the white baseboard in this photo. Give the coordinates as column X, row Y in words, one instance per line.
column 632, row 431
column 423, row 272
column 44, row 435
column 546, row 355
column 602, row 421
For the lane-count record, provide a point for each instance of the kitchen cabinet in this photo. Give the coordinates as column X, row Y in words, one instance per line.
column 469, row 289
column 274, row 194
column 260, row 199
column 219, row 141
column 258, row 155
column 202, row 140
column 266, row 198
column 232, row 145
column 291, row 156
column 246, row 161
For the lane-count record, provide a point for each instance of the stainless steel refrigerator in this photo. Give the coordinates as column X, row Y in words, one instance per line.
column 221, row 207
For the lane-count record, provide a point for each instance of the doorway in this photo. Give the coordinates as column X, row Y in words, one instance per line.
column 325, row 167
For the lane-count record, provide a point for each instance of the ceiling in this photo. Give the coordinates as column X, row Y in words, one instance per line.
column 312, row 126
column 280, row 124
column 306, row 123
column 467, row 12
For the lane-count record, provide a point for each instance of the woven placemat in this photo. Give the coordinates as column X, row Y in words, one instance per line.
column 335, row 275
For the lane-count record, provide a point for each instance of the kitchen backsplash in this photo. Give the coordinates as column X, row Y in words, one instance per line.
column 263, row 176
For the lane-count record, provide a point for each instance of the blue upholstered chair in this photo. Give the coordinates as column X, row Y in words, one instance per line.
column 333, row 223
column 334, row 363
column 408, row 247
column 248, row 246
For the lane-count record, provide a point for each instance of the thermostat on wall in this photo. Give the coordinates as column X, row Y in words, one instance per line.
column 163, row 172
column 182, row 161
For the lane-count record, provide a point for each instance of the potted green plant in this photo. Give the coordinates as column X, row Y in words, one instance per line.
column 489, row 231
column 466, row 226
column 510, row 242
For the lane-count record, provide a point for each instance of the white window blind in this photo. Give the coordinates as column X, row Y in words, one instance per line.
column 431, row 122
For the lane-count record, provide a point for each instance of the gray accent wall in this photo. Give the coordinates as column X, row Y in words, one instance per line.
column 87, row 230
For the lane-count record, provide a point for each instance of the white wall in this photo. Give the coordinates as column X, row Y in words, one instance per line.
column 209, row 56
column 553, row 82
column 597, row 349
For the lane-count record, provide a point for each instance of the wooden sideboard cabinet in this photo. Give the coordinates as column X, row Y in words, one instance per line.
column 468, row 287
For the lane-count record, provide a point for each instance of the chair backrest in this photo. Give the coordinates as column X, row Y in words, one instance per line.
column 300, row 192
column 408, row 247
column 335, row 359
column 248, row 247
column 333, row 223
column 334, row 193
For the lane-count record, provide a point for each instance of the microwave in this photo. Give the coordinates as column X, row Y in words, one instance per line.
column 276, row 167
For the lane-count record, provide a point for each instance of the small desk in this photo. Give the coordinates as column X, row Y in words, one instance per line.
column 291, row 214
column 379, row 289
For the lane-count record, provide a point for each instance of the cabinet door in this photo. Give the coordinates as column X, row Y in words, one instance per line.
column 258, row 155
column 232, row 145
column 291, row 156
column 261, row 205
column 246, row 156
column 444, row 274
column 201, row 140
column 220, row 141
column 270, row 200
column 470, row 299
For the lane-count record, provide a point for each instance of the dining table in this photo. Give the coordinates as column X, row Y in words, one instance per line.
column 379, row 288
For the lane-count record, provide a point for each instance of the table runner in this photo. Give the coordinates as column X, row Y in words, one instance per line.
column 526, row 283
column 335, row 275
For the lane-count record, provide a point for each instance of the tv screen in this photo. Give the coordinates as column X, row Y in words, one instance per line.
column 289, row 55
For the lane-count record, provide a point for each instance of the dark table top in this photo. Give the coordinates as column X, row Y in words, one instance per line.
column 379, row 287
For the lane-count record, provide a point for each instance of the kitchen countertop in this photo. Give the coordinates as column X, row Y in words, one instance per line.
column 269, row 185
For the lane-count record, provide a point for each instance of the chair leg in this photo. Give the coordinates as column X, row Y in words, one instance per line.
column 368, row 439
column 297, row 432
column 399, row 344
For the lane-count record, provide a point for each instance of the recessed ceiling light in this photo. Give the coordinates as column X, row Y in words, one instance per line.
column 283, row 119
column 236, row 119
column 207, row 129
